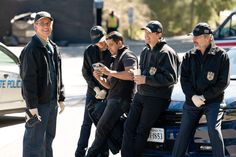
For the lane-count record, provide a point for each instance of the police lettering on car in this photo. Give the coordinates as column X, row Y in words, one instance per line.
column 10, row 83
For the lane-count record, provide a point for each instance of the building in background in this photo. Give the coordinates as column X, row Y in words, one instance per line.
column 72, row 18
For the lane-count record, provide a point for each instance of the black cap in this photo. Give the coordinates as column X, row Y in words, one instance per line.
column 97, row 34
column 153, row 26
column 201, row 28
column 42, row 14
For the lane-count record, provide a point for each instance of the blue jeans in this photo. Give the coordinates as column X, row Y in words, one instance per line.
column 38, row 140
column 189, row 121
column 114, row 109
column 144, row 112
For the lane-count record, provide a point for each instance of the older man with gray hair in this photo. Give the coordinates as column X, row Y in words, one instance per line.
column 204, row 77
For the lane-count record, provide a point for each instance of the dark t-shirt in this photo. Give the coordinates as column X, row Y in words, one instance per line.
column 123, row 89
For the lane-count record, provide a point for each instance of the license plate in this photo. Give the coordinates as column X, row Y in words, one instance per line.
column 156, row 135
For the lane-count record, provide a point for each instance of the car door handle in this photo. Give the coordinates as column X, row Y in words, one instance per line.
column 5, row 75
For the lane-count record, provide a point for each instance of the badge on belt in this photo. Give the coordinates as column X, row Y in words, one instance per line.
column 210, row 75
column 152, row 70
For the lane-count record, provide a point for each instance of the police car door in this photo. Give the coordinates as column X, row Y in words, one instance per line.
column 10, row 82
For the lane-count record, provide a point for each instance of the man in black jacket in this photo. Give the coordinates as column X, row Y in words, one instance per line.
column 204, row 77
column 159, row 65
column 42, row 88
column 121, row 89
column 95, row 55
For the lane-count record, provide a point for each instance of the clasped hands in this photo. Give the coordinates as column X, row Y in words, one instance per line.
column 198, row 100
column 100, row 94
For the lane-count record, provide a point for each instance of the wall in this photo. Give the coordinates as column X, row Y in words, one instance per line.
column 73, row 18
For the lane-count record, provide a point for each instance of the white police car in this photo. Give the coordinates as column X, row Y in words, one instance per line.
column 10, row 82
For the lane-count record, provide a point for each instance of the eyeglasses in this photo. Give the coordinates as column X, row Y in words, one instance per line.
column 44, row 24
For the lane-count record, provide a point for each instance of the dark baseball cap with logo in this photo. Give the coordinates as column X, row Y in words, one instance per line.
column 97, row 34
column 42, row 14
column 153, row 26
column 201, row 28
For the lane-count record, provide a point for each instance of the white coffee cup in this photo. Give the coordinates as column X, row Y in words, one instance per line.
column 137, row 71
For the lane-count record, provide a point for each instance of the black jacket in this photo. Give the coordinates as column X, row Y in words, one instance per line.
column 206, row 75
column 160, row 66
column 35, row 73
column 93, row 55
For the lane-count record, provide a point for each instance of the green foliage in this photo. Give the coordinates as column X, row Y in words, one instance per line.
column 179, row 16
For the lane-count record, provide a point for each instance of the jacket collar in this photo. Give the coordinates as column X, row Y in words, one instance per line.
column 210, row 50
column 37, row 42
column 158, row 46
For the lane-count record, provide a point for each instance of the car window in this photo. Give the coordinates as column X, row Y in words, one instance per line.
column 5, row 59
column 229, row 28
column 7, row 63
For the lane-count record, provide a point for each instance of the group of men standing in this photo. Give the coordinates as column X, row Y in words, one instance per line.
column 112, row 72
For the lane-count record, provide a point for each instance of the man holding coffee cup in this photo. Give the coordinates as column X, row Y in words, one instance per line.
column 155, row 81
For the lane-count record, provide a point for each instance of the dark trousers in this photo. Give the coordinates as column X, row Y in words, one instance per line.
column 143, row 114
column 114, row 109
column 189, row 121
column 85, row 130
column 38, row 140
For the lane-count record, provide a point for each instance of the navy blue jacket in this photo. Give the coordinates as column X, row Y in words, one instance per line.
column 35, row 73
column 160, row 66
column 206, row 75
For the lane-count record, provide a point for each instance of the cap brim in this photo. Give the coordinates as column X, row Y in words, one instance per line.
column 195, row 35
column 146, row 28
column 44, row 17
column 95, row 41
column 102, row 39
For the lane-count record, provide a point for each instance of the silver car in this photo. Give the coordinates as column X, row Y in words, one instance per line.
column 10, row 82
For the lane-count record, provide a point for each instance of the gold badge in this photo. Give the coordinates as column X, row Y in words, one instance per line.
column 152, row 71
column 210, row 75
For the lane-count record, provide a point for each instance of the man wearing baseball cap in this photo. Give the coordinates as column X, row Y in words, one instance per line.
column 95, row 53
column 121, row 87
column 158, row 65
column 42, row 88
column 204, row 77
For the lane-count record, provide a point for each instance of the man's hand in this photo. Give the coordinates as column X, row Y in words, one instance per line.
column 139, row 79
column 61, row 106
column 105, row 70
column 198, row 100
column 100, row 94
column 33, row 111
column 97, row 74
